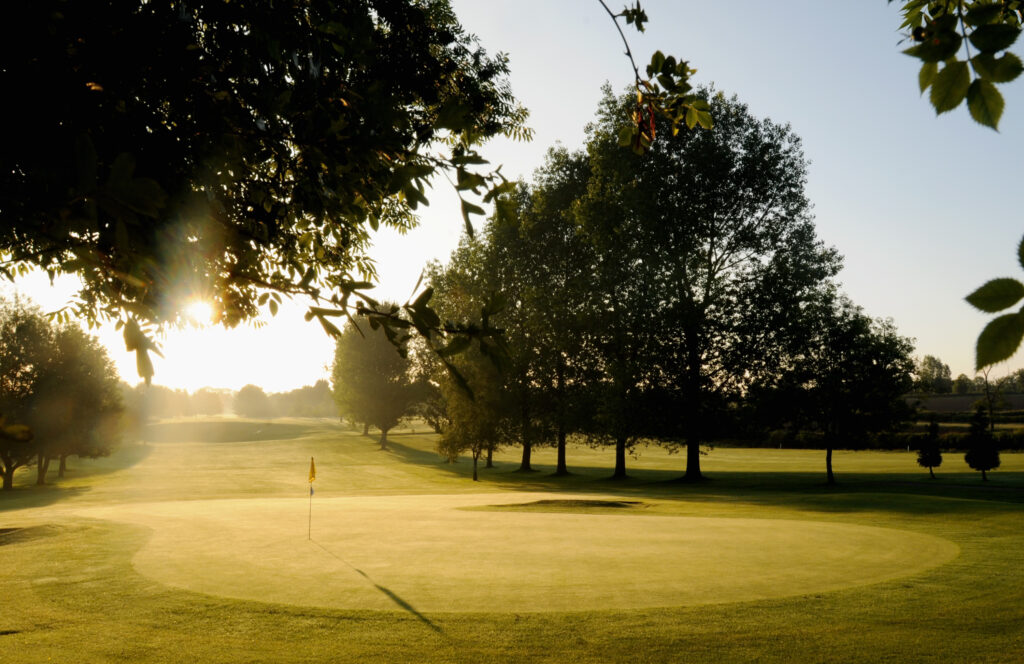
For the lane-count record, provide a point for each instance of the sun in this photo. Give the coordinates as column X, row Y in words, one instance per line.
column 199, row 312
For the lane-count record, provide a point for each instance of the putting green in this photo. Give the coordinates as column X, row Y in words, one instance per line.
column 423, row 554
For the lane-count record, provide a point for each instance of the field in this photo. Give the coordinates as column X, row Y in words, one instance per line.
column 202, row 545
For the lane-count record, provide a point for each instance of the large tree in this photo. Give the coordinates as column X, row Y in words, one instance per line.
column 932, row 376
column 707, row 258
column 230, row 151
column 372, row 381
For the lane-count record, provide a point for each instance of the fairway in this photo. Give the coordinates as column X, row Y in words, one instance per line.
column 193, row 548
column 423, row 552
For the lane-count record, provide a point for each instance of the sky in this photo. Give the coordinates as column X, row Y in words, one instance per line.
column 924, row 209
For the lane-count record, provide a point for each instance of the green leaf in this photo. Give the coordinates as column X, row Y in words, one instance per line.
column 985, row 103
column 995, row 37
column 996, row 295
column 331, row 329
column 1020, row 253
column 626, row 136
column 997, row 70
column 927, row 75
column 468, row 209
column 423, row 298
column 657, row 60
column 937, row 48
column 950, row 86
column 273, row 307
column 999, row 340
column 982, row 14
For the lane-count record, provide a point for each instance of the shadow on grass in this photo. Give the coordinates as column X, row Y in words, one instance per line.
column 24, row 496
column 909, row 493
column 401, row 603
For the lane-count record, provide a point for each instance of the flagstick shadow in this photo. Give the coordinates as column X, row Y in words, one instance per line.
column 390, row 595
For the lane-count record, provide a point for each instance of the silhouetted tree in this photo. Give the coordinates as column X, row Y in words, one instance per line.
column 932, row 376
column 207, row 402
column 929, row 455
column 982, row 453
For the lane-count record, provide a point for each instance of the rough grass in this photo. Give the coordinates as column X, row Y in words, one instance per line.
column 71, row 592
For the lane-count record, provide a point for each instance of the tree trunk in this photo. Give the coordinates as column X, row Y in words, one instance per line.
column 693, row 473
column 828, row 465
column 983, row 477
column 42, row 465
column 63, row 466
column 476, row 456
column 383, row 439
column 524, row 465
column 561, row 469
column 366, row 428
column 620, row 460
column 8, row 478
column 490, row 457
column 931, row 472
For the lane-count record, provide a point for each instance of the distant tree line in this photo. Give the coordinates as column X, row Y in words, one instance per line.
column 148, row 402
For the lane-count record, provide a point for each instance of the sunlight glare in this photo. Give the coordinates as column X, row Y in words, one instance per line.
column 199, row 312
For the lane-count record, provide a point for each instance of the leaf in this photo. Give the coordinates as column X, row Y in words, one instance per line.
column 999, row 340
column 330, row 328
column 997, row 295
column 950, row 86
column 927, row 75
column 937, row 48
column 273, row 307
column 982, row 14
column 985, row 103
column 467, row 209
column 997, row 70
column 423, row 298
column 995, row 37
column 144, row 365
column 626, row 136
column 1020, row 253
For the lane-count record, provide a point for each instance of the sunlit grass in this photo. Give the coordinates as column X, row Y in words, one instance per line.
column 72, row 591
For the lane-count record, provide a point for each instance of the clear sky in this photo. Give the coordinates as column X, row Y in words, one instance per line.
column 923, row 208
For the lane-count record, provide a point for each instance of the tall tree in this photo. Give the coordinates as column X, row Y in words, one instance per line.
column 707, row 257
column 372, row 382
column 477, row 423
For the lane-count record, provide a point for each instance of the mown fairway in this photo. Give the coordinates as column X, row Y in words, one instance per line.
column 193, row 547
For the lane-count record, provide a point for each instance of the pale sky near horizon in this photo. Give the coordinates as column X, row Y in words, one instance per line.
column 923, row 208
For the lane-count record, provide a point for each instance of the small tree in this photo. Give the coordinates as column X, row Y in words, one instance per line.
column 477, row 423
column 929, row 456
column 371, row 379
column 982, row 453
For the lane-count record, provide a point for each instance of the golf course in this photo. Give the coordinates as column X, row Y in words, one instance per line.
column 202, row 544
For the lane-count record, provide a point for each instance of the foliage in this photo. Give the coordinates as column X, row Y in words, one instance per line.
column 206, row 401
column 982, row 452
column 932, row 376
column 308, row 401
column 372, row 382
column 479, row 424
column 944, row 33
column 233, row 151
column 929, row 455
column 59, row 393
column 252, row 401
column 850, row 381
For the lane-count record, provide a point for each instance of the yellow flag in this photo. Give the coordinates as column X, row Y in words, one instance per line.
column 312, row 470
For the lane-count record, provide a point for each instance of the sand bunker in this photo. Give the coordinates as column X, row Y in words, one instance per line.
column 422, row 553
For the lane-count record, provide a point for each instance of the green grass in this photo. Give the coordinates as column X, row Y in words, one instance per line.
column 218, row 571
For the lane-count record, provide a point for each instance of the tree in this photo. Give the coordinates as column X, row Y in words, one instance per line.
column 932, row 376
column 76, row 405
column 850, row 380
column 706, row 256
column 371, row 380
column 982, row 453
column 232, row 151
column 207, row 401
column 963, row 385
column 252, row 401
column 929, row 455
column 478, row 424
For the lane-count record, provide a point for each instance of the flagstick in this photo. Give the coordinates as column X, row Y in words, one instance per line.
column 309, row 532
